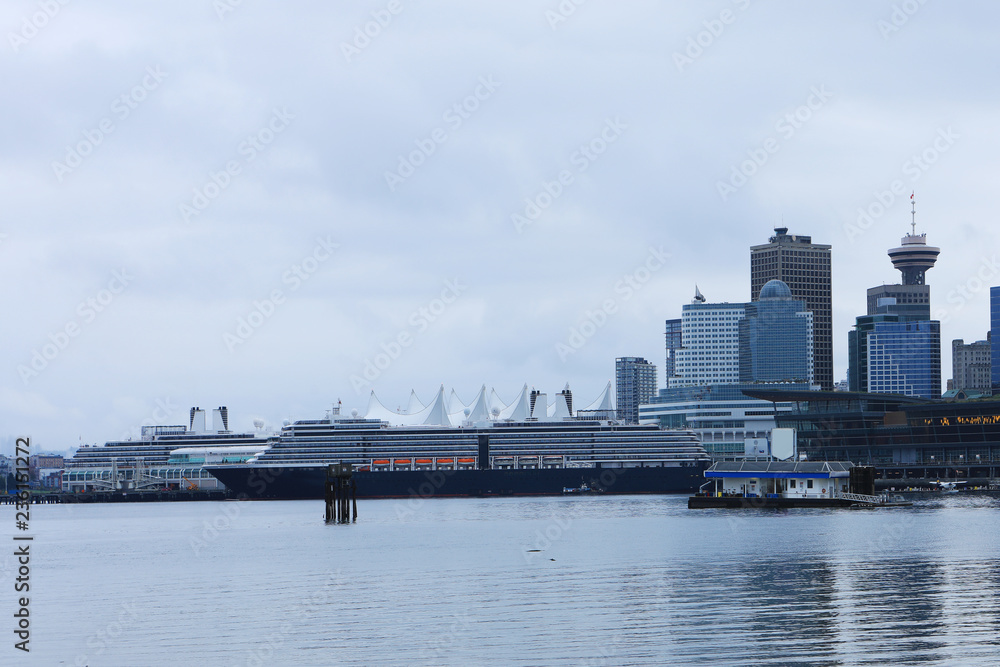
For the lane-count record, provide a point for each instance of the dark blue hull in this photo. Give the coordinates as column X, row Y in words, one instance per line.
column 307, row 482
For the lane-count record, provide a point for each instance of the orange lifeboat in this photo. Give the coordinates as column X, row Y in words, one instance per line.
column 445, row 462
column 380, row 462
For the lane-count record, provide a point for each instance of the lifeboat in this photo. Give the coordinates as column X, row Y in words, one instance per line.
column 503, row 462
column 551, row 461
column 380, row 462
column 446, row 462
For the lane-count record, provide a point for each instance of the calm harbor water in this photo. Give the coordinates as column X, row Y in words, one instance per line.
column 552, row 581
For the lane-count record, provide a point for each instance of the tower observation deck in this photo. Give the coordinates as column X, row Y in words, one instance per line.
column 914, row 257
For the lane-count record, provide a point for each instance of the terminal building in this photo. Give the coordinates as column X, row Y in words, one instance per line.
column 903, row 437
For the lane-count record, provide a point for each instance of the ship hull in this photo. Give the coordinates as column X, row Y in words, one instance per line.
column 307, row 482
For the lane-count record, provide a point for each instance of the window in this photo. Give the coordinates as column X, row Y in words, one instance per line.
column 809, row 484
column 791, row 483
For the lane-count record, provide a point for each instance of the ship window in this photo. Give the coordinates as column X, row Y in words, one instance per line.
column 791, row 483
column 809, row 484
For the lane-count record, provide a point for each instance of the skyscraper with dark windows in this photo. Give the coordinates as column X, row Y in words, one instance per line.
column 896, row 348
column 635, row 380
column 805, row 267
column 995, row 339
column 776, row 338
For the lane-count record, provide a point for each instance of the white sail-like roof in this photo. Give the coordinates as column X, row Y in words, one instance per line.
column 415, row 404
column 434, row 414
column 520, row 409
column 496, row 402
column 455, row 404
column 478, row 411
column 378, row 411
column 449, row 410
column 606, row 401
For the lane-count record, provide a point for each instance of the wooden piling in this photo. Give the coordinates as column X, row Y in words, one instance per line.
column 354, row 498
column 340, row 491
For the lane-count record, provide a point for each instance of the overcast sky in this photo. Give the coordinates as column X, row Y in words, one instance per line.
column 246, row 203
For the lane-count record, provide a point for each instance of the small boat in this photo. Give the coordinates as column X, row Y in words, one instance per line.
column 583, row 489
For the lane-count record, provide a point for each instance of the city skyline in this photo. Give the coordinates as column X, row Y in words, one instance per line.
column 194, row 219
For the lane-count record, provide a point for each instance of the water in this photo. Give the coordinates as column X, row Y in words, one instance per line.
column 615, row 581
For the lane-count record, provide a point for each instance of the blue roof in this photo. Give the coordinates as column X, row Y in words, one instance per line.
column 780, row 469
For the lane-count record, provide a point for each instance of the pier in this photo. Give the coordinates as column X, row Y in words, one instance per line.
column 58, row 498
column 341, row 493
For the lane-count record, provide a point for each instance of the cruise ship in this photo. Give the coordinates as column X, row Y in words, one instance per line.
column 484, row 448
column 162, row 457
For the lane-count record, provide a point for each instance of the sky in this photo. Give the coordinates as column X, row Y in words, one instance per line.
column 276, row 206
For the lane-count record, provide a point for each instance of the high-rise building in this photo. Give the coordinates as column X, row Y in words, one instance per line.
column 805, row 267
column 905, row 358
column 673, row 335
column 896, row 347
column 912, row 301
column 635, row 379
column 710, row 349
column 995, row 339
column 776, row 338
column 970, row 365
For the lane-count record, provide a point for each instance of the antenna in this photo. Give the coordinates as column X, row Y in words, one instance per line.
column 913, row 213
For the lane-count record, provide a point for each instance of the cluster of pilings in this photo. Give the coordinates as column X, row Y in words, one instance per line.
column 341, row 494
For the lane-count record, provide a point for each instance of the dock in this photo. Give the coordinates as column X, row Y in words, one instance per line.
column 787, row 484
column 58, row 498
